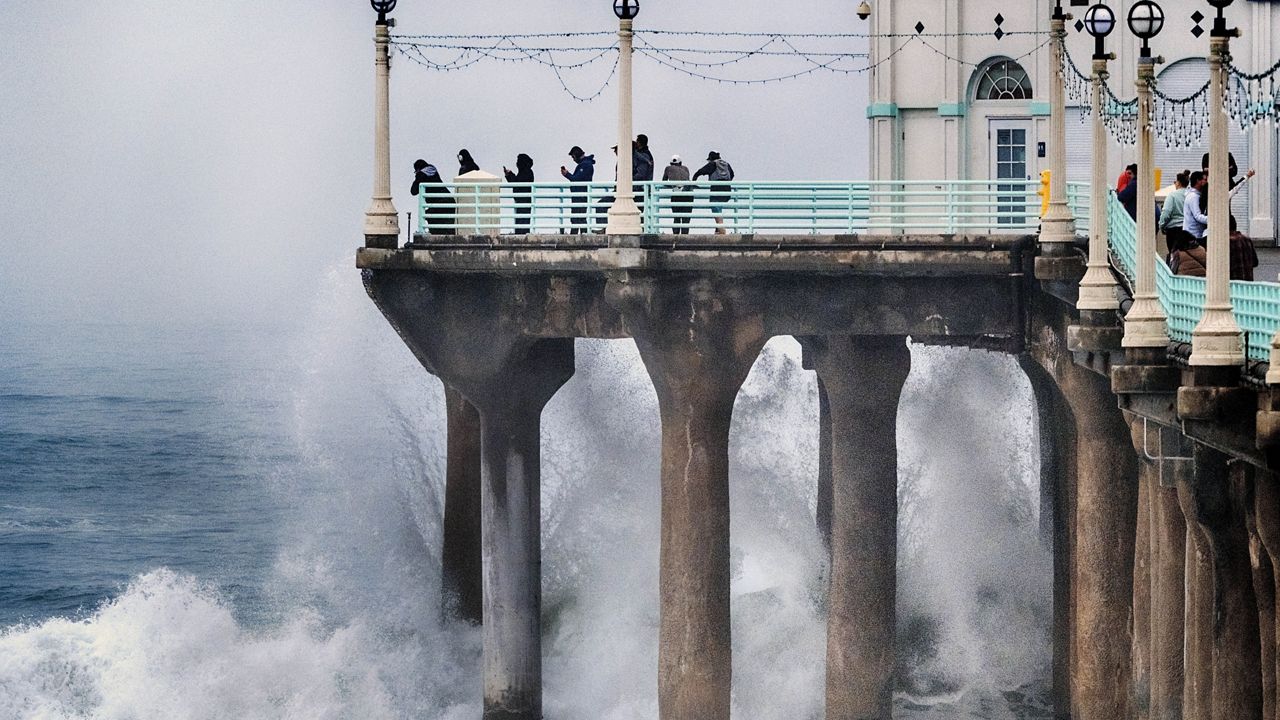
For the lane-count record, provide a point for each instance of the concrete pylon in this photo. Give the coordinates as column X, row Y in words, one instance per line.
column 1106, row 513
column 1198, row 672
column 1220, row 500
column 1168, row 541
column 460, row 555
column 1266, row 501
column 1264, row 591
column 863, row 377
column 698, row 340
column 457, row 328
column 1140, row 661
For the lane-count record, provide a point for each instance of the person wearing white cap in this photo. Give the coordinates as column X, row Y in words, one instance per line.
column 681, row 205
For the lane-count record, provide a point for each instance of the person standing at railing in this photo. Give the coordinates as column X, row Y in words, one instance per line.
column 1127, row 176
column 1194, row 221
column 439, row 202
column 1128, row 195
column 681, row 205
column 1244, row 257
column 1189, row 258
column 521, row 193
column 1171, row 215
column 642, row 168
column 583, row 172
column 715, row 170
column 465, row 163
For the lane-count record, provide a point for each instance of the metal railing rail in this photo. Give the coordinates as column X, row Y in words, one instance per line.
column 790, row 207
column 1256, row 304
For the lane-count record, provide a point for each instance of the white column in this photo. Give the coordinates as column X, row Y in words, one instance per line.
column 624, row 215
column 1058, row 227
column 381, row 222
column 1216, row 340
column 1145, row 325
column 1098, row 286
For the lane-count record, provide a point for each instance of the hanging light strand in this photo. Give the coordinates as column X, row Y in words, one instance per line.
column 1252, row 97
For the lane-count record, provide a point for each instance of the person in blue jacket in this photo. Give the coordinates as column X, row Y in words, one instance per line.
column 584, row 171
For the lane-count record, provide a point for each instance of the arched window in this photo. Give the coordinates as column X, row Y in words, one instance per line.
column 1003, row 80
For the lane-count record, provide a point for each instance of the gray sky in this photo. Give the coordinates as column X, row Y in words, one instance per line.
column 182, row 160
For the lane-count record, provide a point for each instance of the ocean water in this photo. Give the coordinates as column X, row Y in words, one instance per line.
column 225, row 521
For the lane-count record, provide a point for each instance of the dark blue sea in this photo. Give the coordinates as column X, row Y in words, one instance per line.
column 224, row 519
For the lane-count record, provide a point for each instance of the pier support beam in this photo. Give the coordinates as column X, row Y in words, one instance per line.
column 1264, row 590
column 1266, row 500
column 1168, row 571
column 460, row 555
column 698, row 342
column 1218, row 502
column 1142, row 577
column 863, row 377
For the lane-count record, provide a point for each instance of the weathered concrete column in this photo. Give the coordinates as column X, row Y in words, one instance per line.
column 1106, row 513
column 698, row 340
column 1168, row 565
column 1056, row 428
column 863, row 378
column 1198, row 655
column 1264, row 590
column 1142, row 577
column 1219, row 502
column 1266, row 501
column 470, row 332
column 460, row 555
column 1168, row 560
column 1058, row 227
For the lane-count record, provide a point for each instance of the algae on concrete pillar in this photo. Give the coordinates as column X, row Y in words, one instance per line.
column 460, row 555
column 698, row 341
column 863, row 377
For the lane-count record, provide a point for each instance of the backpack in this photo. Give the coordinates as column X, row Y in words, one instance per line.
column 722, row 171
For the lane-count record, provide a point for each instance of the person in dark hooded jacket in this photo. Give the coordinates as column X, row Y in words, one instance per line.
column 438, row 202
column 583, row 172
column 465, row 163
column 717, row 169
column 523, row 174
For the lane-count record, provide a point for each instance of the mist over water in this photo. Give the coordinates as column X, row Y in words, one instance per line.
column 345, row 621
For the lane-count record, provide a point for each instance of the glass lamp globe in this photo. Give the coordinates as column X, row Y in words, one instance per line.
column 1099, row 20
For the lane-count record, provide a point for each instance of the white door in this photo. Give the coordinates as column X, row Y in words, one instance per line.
column 1010, row 160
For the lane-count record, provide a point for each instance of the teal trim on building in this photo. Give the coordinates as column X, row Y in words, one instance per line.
column 880, row 110
column 952, row 110
column 1040, row 109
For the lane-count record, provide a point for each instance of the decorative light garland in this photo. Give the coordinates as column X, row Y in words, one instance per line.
column 1252, row 98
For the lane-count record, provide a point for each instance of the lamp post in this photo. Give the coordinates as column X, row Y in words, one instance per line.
column 1145, row 326
column 1098, row 286
column 381, row 221
column 624, row 215
column 1216, row 340
column 1058, row 227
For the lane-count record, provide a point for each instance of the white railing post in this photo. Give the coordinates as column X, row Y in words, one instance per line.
column 1098, row 286
column 624, row 216
column 1216, row 340
column 1145, row 324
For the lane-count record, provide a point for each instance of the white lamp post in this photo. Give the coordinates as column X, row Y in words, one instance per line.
column 381, row 222
column 1098, row 286
column 1216, row 340
column 1145, row 324
column 1058, row 227
column 624, row 215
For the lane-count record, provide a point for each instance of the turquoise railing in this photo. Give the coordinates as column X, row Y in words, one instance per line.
column 775, row 207
column 1256, row 304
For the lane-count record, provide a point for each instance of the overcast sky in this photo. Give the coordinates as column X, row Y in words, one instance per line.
column 201, row 160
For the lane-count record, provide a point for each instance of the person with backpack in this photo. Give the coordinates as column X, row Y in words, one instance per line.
column 717, row 171
column 522, row 194
column 438, row 202
column 583, row 172
column 681, row 205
